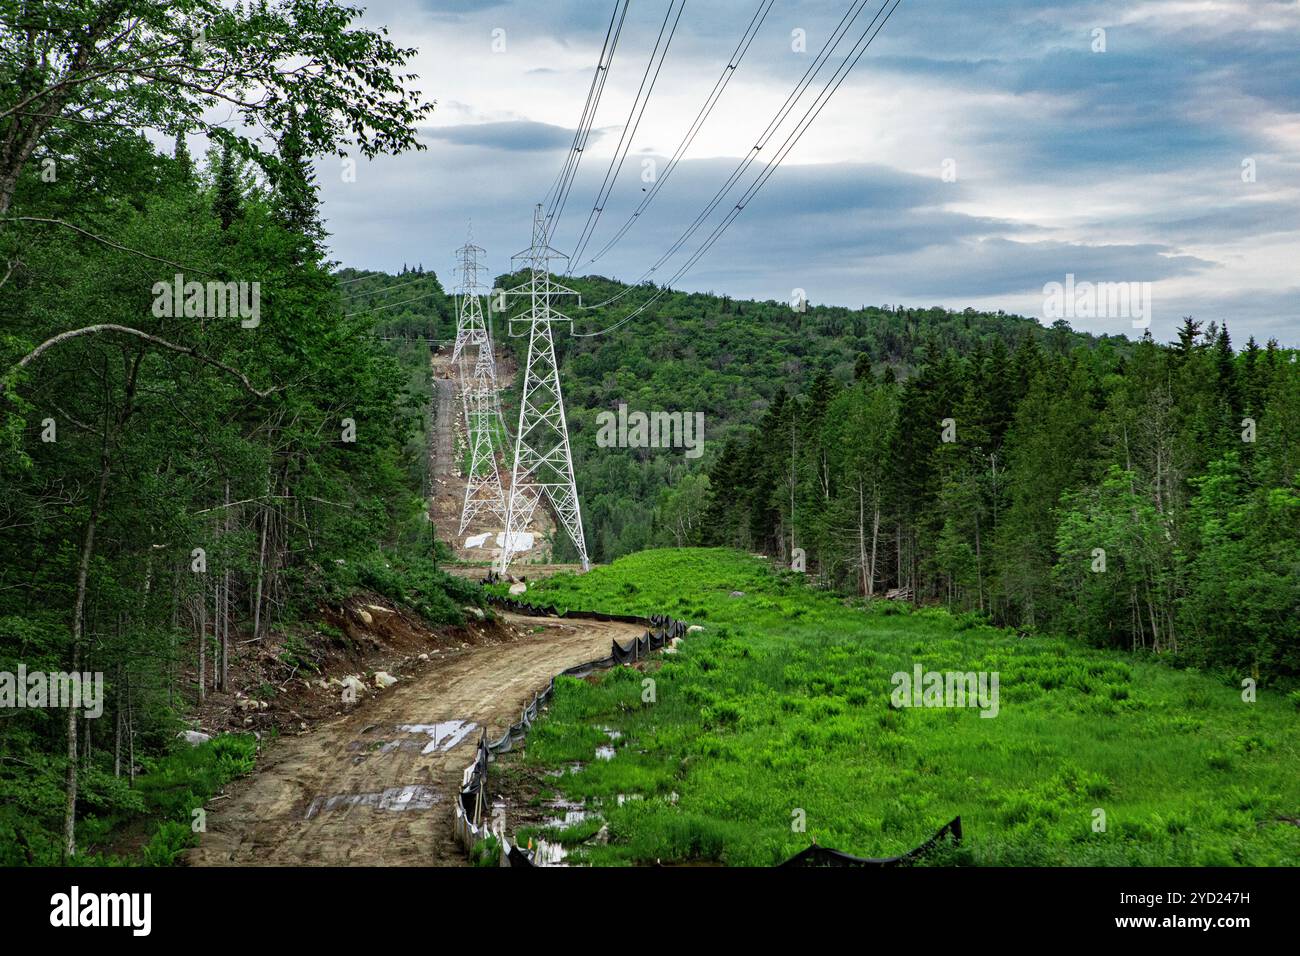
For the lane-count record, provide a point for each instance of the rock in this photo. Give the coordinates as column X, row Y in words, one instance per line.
column 194, row 737
column 379, row 609
column 737, row 593
column 693, row 629
column 246, row 703
column 476, row 611
column 365, row 616
column 424, row 657
column 384, row 679
column 519, row 588
column 353, row 684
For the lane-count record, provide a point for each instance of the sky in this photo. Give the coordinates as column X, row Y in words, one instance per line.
column 976, row 153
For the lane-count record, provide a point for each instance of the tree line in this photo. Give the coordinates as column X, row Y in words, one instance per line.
column 171, row 477
column 1145, row 498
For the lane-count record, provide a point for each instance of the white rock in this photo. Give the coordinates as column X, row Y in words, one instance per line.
column 353, row 684
column 365, row 616
column 693, row 629
column 519, row 588
column 476, row 611
column 384, row 679
column 424, row 657
column 194, row 737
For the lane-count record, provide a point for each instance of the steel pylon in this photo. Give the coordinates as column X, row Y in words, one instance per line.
column 543, row 462
column 478, row 391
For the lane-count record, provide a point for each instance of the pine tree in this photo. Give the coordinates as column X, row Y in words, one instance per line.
column 184, row 163
column 227, row 201
column 294, row 200
column 1187, row 345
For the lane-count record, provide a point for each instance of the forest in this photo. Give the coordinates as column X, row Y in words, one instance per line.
column 175, row 478
column 175, row 481
column 1137, row 494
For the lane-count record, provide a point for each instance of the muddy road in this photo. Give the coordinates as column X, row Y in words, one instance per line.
column 377, row 786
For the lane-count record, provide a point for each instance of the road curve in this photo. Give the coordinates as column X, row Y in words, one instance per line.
column 377, row 786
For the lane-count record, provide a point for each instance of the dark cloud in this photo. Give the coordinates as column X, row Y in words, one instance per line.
column 1176, row 101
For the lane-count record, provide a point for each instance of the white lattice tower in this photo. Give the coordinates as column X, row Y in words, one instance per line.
column 483, row 491
column 543, row 462
column 470, row 327
column 478, row 392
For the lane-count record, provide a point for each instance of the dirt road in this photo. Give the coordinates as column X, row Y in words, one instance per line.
column 377, row 786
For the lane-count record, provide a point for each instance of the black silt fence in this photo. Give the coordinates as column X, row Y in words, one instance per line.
column 660, row 631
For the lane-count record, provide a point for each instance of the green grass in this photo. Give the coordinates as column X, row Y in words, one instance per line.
column 783, row 705
column 164, row 799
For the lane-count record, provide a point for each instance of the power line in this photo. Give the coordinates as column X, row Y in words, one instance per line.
column 832, row 43
column 792, row 139
column 591, row 91
column 629, row 129
column 728, row 71
column 570, row 171
column 392, row 305
column 387, row 289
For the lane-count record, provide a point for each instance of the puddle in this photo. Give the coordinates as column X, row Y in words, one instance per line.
column 611, row 733
column 605, row 752
column 410, row 797
column 549, row 854
column 572, row 814
column 572, row 768
column 442, row 737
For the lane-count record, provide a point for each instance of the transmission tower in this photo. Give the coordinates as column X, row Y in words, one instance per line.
column 543, row 465
column 478, row 392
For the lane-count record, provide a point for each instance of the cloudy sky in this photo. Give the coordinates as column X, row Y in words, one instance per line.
column 1164, row 150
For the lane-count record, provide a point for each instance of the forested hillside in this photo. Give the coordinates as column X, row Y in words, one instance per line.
column 201, row 440
column 1136, row 494
column 1149, row 502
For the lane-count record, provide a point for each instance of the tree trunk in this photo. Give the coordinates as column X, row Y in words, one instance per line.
column 261, row 566
column 78, row 613
column 875, row 540
column 117, row 735
column 203, row 639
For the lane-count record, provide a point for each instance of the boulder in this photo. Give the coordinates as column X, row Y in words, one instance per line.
column 384, row 679
column 194, row 737
column 517, row 589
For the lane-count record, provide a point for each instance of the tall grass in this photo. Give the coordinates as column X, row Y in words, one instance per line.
column 780, row 712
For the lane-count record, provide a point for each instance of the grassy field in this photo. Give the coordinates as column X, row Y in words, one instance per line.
column 780, row 711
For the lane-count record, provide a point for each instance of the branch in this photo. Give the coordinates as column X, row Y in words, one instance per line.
column 108, row 242
column 162, row 343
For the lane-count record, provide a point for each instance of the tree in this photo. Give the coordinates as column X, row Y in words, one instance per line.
column 143, row 64
column 226, row 197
